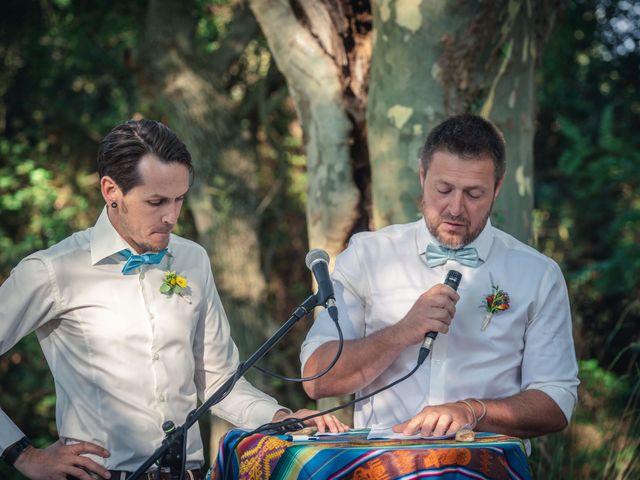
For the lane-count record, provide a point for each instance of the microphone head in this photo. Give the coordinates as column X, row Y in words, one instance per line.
column 453, row 279
column 316, row 255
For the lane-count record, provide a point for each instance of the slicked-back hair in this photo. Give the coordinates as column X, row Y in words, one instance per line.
column 468, row 136
column 123, row 147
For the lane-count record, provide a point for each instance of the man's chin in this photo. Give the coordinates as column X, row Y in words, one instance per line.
column 450, row 239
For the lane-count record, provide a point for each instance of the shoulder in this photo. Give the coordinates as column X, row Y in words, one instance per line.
column 71, row 249
column 184, row 245
column 519, row 253
column 389, row 235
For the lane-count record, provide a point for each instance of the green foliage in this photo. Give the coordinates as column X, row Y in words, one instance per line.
column 603, row 440
column 588, row 179
column 588, row 219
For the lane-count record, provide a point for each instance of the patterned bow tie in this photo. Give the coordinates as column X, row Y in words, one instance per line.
column 134, row 261
column 438, row 255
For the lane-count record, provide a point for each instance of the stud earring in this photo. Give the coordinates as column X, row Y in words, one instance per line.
column 114, row 204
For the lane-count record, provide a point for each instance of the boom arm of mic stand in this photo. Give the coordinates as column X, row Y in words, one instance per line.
column 307, row 306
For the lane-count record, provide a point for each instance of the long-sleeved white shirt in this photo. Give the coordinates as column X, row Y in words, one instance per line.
column 381, row 274
column 124, row 356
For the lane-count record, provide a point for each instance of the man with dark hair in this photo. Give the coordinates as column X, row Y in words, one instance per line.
column 504, row 358
column 130, row 322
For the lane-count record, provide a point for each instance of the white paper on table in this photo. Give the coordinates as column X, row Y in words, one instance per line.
column 384, row 431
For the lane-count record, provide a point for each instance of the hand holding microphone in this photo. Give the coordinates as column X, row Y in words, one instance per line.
column 452, row 280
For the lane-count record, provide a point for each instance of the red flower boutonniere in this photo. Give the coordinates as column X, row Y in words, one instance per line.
column 496, row 301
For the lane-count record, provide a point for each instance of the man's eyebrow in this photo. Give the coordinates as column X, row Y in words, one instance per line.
column 161, row 196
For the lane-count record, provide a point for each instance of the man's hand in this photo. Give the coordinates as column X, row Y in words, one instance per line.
column 58, row 460
column 437, row 420
column 322, row 422
column 431, row 312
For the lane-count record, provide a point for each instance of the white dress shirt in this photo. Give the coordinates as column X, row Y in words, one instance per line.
column 529, row 346
column 124, row 356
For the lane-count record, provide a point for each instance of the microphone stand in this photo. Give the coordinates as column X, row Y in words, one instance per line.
column 176, row 438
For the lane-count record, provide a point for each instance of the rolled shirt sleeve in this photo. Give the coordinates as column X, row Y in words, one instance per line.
column 549, row 362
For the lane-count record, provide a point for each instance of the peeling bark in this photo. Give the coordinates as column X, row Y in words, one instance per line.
column 322, row 48
column 460, row 57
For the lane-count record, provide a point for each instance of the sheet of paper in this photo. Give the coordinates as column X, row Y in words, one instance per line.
column 384, row 431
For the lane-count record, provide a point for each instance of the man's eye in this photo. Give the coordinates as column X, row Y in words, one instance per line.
column 443, row 191
column 155, row 203
column 474, row 195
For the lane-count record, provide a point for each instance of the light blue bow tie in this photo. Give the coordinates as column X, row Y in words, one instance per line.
column 134, row 261
column 438, row 255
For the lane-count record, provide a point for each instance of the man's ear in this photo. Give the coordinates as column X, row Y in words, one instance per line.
column 498, row 187
column 110, row 190
column 422, row 172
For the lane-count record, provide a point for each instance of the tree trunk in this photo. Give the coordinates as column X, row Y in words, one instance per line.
column 323, row 50
column 183, row 88
column 447, row 58
column 326, row 77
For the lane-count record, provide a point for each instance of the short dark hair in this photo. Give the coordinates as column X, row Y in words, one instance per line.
column 123, row 147
column 469, row 136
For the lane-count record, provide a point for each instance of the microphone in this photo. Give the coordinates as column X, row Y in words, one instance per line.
column 453, row 280
column 317, row 261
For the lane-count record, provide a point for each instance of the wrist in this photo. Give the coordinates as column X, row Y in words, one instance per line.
column 12, row 452
column 281, row 415
column 483, row 409
column 474, row 419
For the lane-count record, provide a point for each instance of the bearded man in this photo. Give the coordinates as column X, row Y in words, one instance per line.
column 504, row 360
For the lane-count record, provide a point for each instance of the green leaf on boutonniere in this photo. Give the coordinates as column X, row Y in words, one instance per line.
column 166, row 289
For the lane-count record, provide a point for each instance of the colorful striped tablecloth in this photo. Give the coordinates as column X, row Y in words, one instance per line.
column 352, row 456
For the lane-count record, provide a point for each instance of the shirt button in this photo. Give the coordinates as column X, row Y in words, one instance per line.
column 142, row 276
column 156, row 356
column 161, row 398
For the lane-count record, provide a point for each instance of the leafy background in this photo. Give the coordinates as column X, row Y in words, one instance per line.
column 67, row 78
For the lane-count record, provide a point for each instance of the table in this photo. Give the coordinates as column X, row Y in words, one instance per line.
column 352, row 456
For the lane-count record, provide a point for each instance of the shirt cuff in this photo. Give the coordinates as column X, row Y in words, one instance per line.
column 564, row 398
column 9, row 432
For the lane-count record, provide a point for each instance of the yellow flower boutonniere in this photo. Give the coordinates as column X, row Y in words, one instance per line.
column 173, row 283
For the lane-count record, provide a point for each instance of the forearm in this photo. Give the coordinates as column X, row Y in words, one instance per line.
column 528, row 414
column 361, row 362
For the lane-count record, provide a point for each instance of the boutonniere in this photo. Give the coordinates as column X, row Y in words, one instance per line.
column 496, row 301
column 174, row 283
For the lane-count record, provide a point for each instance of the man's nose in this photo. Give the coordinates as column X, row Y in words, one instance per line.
column 456, row 204
column 171, row 214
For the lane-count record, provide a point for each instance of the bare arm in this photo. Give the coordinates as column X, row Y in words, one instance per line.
column 527, row 414
column 363, row 360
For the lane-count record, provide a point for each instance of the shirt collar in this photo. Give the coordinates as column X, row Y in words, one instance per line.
column 482, row 243
column 106, row 241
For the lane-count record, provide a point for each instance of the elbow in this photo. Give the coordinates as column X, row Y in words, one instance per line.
column 312, row 390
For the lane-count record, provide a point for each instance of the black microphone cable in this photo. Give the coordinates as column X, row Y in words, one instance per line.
column 317, row 375
column 293, row 424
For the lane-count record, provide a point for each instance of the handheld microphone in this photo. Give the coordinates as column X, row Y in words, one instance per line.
column 317, row 261
column 453, row 280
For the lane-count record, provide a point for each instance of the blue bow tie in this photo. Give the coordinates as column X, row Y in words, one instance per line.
column 134, row 261
column 438, row 255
